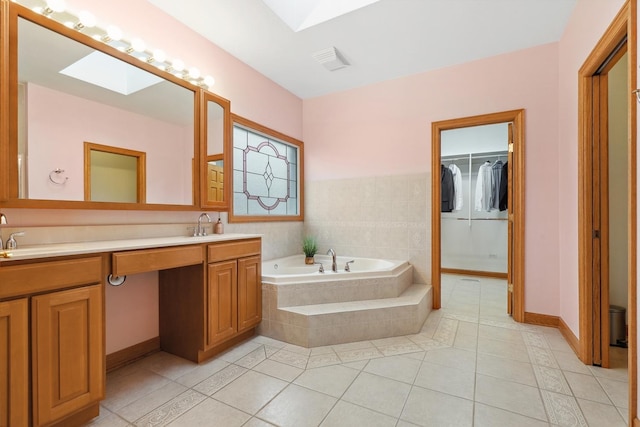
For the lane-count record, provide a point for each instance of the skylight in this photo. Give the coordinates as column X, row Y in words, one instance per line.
column 110, row 73
column 301, row 14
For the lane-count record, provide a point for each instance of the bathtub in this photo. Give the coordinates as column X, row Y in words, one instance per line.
column 292, row 269
column 376, row 299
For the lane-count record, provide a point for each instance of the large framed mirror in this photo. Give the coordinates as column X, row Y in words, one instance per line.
column 67, row 88
column 216, row 118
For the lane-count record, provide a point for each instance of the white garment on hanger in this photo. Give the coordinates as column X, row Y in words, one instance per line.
column 457, row 187
column 483, row 188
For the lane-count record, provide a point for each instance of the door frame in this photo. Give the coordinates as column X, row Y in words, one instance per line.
column 623, row 26
column 517, row 268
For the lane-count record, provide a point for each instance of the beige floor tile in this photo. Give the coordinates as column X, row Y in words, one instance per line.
column 446, row 380
column 239, row 351
column 298, row 407
column 252, row 359
column 125, row 389
column 502, row 334
column 107, row 419
column 168, row 365
column 586, row 387
column 563, row 410
column 453, row 358
column 359, row 354
column 378, row 393
column 202, row 372
column 488, row 416
column 503, row 349
column 151, row 401
column 347, row 414
column 551, row 379
column 519, row 372
column 617, row 374
column 250, row 392
column 290, row 358
column 570, row 362
column 279, row 370
column 598, row 414
column 618, row 391
column 430, row 408
column 172, row 409
column 542, row 356
column 211, row 413
column 220, row 379
column 510, row 396
column 331, row 380
column 399, row 368
column 257, row 422
column 320, row 360
column 466, row 342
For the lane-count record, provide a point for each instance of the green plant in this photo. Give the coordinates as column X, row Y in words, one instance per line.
column 309, row 246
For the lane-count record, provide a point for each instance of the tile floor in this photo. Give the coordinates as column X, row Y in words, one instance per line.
column 471, row 365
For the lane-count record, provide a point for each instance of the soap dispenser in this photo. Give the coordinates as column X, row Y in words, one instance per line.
column 218, row 228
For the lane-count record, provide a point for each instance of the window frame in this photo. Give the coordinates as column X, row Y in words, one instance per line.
column 275, row 135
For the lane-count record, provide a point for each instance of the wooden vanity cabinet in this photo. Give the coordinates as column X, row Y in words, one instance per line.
column 205, row 309
column 59, row 310
column 14, row 363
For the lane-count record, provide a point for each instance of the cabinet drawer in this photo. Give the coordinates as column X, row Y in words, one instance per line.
column 45, row 276
column 232, row 250
column 141, row 261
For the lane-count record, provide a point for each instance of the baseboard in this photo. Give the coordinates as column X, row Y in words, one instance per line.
column 555, row 322
column 573, row 341
column 131, row 354
column 541, row 319
column 474, row 273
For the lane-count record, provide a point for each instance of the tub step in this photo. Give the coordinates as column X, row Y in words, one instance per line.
column 335, row 323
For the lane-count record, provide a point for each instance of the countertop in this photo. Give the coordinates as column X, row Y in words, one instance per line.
column 80, row 248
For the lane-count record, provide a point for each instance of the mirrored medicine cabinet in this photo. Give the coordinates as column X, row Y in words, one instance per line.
column 86, row 125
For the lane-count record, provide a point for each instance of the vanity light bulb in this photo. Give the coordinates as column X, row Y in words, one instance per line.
column 56, row 5
column 209, row 81
column 177, row 65
column 87, row 19
column 137, row 45
column 114, row 33
column 194, row 73
column 159, row 55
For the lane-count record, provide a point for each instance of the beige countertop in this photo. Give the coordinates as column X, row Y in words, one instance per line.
column 80, row 248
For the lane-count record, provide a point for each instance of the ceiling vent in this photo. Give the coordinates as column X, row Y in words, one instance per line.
column 330, row 58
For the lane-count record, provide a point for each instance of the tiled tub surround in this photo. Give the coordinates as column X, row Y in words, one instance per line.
column 385, row 217
column 326, row 309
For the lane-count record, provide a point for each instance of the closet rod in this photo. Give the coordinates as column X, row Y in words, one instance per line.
column 473, row 156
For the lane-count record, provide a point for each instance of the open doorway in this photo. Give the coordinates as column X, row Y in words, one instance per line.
column 514, row 215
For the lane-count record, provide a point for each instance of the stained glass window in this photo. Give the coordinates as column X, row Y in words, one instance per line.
column 266, row 174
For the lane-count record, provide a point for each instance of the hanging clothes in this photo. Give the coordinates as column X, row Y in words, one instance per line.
column 457, row 187
column 483, row 188
column 447, row 195
column 504, row 187
column 496, row 175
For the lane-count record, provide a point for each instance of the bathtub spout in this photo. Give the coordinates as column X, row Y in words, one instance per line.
column 334, row 264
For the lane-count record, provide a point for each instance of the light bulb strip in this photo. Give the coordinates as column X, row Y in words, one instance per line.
column 135, row 47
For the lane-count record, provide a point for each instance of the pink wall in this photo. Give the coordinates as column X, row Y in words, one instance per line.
column 385, row 129
column 587, row 24
column 57, row 136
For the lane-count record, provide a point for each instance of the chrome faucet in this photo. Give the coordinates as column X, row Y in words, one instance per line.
column 200, row 229
column 334, row 264
column 11, row 242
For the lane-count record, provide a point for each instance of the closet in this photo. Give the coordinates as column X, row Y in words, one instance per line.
column 474, row 228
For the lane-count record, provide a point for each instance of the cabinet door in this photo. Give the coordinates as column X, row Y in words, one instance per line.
column 14, row 357
column 249, row 292
column 222, row 302
column 67, row 352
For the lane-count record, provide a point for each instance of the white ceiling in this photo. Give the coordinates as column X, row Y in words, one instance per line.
column 381, row 41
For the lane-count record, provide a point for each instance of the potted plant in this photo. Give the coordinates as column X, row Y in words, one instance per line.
column 309, row 247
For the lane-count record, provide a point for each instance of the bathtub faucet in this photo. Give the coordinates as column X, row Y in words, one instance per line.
column 334, row 264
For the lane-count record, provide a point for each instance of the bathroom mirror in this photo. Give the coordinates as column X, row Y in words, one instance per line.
column 216, row 129
column 70, row 93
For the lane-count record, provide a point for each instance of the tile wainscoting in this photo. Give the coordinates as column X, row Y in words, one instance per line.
column 377, row 217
